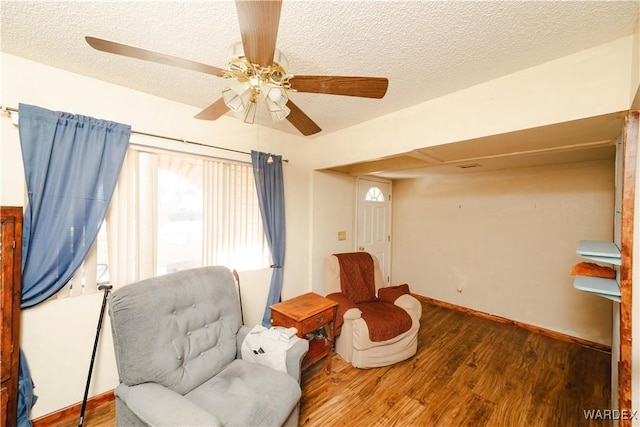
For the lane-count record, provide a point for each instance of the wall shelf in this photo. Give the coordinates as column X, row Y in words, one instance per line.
column 607, row 288
column 601, row 251
column 598, row 250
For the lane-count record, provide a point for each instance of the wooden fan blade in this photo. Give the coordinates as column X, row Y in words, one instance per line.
column 213, row 111
column 148, row 55
column 259, row 21
column 366, row 87
column 301, row 121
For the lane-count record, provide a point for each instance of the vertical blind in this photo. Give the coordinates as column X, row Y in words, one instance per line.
column 174, row 211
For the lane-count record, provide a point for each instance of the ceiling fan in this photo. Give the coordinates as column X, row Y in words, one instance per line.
column 258, row 71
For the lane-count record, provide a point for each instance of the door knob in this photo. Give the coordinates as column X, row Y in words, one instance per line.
column 361, row 248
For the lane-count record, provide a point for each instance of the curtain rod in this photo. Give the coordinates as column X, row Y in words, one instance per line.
column 169, row 138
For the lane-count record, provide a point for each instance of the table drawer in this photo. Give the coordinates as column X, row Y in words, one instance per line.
column 279, row 319
column 317, row 320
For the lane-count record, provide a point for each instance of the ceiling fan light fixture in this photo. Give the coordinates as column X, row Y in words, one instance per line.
column 238, row 68
column 255, row 81
column 236, row 50
column 278, row 115
column 275, row 94
column 237, row 97
column 276, row 77
column 275, row 99
column 256, row 61
column 250, row 114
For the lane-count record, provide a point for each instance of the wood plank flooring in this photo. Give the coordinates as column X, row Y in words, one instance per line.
column 468, row 371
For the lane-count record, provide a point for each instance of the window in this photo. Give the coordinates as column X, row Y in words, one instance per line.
column 236, row 237
column 174, row 211
column 374, row 195
column 93, row 272
column 179, row 212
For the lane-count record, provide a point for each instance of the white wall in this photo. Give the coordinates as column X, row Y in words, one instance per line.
column 57, row 336
column 509, row 239
column 333, row 211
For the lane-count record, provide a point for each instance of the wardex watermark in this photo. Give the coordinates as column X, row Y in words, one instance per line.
column 610, row 414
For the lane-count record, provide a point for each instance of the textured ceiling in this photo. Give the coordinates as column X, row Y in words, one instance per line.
column 425, row 48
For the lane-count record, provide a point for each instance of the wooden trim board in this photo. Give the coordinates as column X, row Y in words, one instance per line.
column 73, row 411
column 630, row 148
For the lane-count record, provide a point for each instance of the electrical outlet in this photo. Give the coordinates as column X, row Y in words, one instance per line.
column 342, row 235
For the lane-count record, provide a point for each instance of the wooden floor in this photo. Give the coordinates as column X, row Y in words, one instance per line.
column 468, row 371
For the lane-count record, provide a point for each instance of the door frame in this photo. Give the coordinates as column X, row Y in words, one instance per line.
column 389, row 220
column 629, row 161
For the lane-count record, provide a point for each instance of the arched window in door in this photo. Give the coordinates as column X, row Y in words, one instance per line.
column 374, row 195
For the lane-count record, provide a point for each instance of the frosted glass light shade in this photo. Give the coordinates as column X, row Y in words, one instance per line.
column 280, row 114
column 275, row 97
column 237, row 97
column 250, row 114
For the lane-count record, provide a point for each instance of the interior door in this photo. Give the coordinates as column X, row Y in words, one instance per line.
column 373, row 222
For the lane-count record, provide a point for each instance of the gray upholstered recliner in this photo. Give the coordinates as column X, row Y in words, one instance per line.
column 177, row 341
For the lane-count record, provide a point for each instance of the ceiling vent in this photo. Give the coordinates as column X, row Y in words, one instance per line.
column 468, row 166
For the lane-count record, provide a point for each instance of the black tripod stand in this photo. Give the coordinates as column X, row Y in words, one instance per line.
column 107, row 288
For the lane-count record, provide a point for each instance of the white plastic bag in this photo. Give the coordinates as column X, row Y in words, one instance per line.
column 268, row 347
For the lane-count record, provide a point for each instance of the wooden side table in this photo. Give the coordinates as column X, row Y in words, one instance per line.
column 307, row 313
